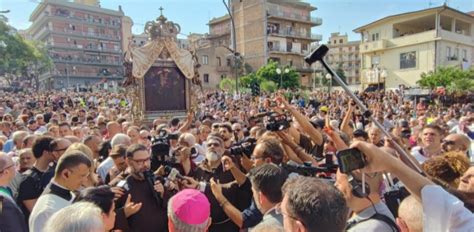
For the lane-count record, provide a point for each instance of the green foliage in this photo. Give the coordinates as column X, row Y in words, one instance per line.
column 443, row 77
column 247, row 80
column 268, row 86
column 227, row 84
column 462, row 84
column 340, row 72
column 268, row 72
column 19, row 57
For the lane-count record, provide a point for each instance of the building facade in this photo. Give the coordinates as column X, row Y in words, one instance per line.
column 214, row 52
column 397, row 49
column 276, row 30
column 344, row 55
column 265, row 30
column 84, row 41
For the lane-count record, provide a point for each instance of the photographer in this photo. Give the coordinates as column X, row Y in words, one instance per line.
column 268, row 150
column 442, row 211
column 212, row 168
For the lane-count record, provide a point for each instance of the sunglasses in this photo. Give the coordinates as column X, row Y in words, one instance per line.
column 448, row 142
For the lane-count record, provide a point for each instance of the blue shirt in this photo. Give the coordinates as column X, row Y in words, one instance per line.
column 8, row 146
column 251, row 216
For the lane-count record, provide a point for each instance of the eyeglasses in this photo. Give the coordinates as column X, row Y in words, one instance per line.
column 279, row 210
column 253, row 158
column 448, row 142
column 7, row 167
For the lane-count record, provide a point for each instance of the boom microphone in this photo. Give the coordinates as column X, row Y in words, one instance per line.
column 316, row 54
column 150, row 179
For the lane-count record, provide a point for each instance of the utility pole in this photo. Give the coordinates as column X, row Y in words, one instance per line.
column 234, row 45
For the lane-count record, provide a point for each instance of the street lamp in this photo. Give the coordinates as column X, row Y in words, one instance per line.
column 329, row 78
column 280, row 72
column 384, row 75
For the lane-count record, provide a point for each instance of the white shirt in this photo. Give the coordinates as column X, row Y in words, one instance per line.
column 443, row 212
column 415, row 152
column 104, row 168
column 44, row 208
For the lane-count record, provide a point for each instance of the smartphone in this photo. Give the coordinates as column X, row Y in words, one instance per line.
column 350, row 159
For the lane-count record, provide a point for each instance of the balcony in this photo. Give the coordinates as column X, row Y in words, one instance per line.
column 223, row 68
column 456, row 37
column 295, row 34
column 278, row 49
column 373, row 46
column 86, row 61
column 317, row 21
column 274, row 11
column 368, row 76
column 96, row 22
column 317, row 37
column 85, row 48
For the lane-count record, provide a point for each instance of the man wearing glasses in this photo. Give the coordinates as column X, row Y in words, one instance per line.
column 152, row 215
column 11, row 217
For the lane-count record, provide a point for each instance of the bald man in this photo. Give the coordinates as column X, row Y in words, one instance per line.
column 457, row 142
column 410, row 215
column 113, row 128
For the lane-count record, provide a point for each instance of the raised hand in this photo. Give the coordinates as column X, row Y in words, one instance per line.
column 130, row 207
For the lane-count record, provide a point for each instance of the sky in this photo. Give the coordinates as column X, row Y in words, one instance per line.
column 193, row 15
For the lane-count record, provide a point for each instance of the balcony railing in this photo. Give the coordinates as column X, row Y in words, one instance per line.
column 90, row 21
column 85, row 61
column 371, row 77
column 82, row 47
column 317, row 37
column 317, row 21
column 274, row 11
column 223, row 68
column 277, row 48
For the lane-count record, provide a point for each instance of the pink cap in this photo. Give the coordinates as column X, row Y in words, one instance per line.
column 191, row 206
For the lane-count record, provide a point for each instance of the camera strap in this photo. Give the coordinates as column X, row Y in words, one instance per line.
column 379, row 217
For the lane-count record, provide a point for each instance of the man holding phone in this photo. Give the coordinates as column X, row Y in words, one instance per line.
column 361, row 192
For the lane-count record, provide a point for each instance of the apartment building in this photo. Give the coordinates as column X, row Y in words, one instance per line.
column 84, row 41
column 214, row 52
column 276, row 30
column 397, row 49
column 344, row 54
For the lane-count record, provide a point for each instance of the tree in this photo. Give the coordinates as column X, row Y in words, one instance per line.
column 40, row 62
column 443, row 77
column 341, row 74
column 268, row 72
column 268, row 86
column 227, row 84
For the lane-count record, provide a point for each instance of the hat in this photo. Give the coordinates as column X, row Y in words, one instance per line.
column 31, row 121
column 318, row 123
column 324, row 109
column 191, row 206
column 360, row 133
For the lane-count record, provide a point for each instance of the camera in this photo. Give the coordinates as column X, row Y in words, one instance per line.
column 245, row 147
column 302, row 170
column 350, row 159
column 277, row 122
column 160, row 148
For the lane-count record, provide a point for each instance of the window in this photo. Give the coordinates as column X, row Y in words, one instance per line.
column 464, row 54
column 375, row 36
column 228, row 62
column 335, row 41
column 408, row 60
column 223, row 76
column 205, row 60
column 218, row 61
column 340, row 41
column 448, row 53
column 456, row 53
column 206, row 78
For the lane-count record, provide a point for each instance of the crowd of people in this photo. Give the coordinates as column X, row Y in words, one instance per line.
column 78, row 162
